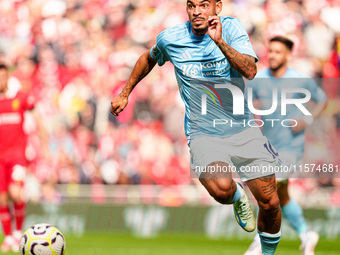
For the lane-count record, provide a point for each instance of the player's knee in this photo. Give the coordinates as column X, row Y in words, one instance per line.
column 3, row 200
column 221, row 196
column 270, row 203
column 16, row 198
column 222, row 193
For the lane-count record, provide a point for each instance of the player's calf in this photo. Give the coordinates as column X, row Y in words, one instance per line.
column 269, row 217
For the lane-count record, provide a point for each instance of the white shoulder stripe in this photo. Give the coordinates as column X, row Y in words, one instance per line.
column 238, row 25
column 172, row 31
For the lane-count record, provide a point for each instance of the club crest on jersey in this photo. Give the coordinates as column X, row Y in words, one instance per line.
column 16, row 104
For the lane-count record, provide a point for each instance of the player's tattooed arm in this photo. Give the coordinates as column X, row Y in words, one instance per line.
column 142, row 68
column 242, row 63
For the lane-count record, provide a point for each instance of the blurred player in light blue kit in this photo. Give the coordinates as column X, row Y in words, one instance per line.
column 204, row 49
column 288, row 141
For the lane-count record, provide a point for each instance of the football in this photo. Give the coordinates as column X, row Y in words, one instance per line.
column 42, row 239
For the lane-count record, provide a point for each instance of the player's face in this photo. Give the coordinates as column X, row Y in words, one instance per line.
column 278, row 55
column 3, row 79
column 199, row 12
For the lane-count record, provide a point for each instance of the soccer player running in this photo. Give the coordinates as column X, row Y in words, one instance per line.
column 289, row 142
column 208, row 46
column 12, row 159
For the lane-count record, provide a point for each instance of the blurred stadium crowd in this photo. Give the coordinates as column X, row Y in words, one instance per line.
column 75, row 55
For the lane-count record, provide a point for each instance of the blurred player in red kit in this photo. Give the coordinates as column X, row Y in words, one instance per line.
column 12, row 159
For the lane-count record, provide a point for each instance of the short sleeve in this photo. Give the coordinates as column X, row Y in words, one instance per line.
column 239, row 39
column 158, row 51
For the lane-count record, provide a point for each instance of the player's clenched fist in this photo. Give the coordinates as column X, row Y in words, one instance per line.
column 118, row 104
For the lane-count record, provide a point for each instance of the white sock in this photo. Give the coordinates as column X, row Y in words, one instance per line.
column 9, row 238
column 303, row 236
column 17, row 234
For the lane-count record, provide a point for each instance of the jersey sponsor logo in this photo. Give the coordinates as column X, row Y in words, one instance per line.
column 10, row 118
column 213, row 64
column 216, row 72
column 15, row 104
column 205, row 69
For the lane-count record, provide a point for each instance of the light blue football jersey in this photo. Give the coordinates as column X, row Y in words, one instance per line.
column 199, row 66
column 279, row 136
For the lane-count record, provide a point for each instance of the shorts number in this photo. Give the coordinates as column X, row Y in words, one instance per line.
column 270, row 149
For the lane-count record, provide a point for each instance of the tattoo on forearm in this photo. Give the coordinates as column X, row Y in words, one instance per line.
column 245, row 65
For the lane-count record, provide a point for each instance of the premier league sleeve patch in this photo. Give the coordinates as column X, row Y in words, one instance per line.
column 154, row 51
column 156, row 54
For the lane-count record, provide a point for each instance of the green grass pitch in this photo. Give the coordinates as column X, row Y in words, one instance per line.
column 176, row 244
